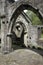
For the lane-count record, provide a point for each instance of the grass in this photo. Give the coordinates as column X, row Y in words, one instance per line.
column 41, row 35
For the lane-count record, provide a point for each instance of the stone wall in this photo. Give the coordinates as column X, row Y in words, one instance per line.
column 35, row 3
column 31, row 36
column 6, row 11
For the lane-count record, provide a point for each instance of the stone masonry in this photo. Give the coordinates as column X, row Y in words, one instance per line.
column 7, row 8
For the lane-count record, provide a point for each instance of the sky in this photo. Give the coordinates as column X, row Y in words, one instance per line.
column 16, row 0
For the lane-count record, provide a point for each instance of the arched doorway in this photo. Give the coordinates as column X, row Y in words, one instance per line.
column 19, row 11
column 18, row 34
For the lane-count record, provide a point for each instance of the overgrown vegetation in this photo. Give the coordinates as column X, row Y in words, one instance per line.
column 34, row 18
column 42, row 33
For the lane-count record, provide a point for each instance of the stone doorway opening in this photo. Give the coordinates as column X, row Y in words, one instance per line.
column 18, row 35
column 14, row 17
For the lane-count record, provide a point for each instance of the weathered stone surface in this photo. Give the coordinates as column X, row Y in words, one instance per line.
column 7, row 9
column 21, row 57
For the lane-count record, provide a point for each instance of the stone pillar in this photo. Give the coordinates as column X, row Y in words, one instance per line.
column 9, row 42
column 6, row 40
column 9, row 39
column 3, row 34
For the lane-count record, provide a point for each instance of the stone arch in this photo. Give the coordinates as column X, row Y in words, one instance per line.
column 19, row 37
column 18, row 12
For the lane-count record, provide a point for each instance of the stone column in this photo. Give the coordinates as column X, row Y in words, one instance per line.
column 9, row 42
column 3, row 34
column 9, row 39
column 6, row 40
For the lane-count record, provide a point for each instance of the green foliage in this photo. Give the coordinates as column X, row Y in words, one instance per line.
column 35, row 19
column 41, row 35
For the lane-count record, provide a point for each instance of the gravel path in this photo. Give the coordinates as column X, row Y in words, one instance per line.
column 21, row 57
